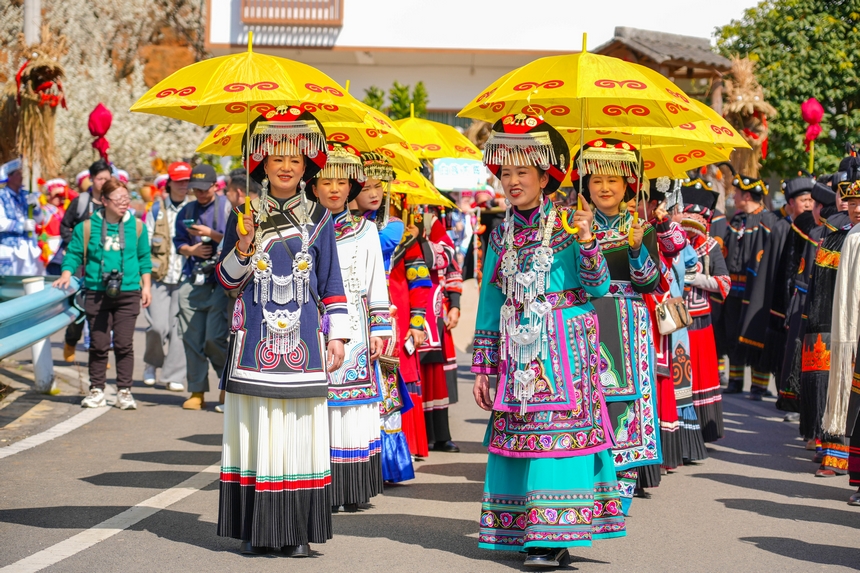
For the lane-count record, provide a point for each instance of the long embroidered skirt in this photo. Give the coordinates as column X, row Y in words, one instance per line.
column 707, row 397
column 396, row 458
column 550, row 502
column 670, row 426
column 434, row 384
column 275, row 471
column 413, row 423
column 356, row 448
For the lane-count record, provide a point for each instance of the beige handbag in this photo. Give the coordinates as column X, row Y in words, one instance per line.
column 672, row 315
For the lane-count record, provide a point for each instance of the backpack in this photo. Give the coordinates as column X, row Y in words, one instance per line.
column 160, row 242
column 88, row 227
column 83, row 204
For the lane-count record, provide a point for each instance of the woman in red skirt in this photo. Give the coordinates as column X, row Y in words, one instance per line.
column 712, row 276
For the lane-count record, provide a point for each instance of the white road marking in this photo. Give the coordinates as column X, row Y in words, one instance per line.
column 61, row 429
column 110, row 527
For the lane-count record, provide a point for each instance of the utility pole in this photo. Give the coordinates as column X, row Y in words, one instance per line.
column 32, row 35
column 32, row 21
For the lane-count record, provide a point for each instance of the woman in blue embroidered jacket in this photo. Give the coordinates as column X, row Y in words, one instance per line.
column 550, row 481
column 610, row 178
column 275, row 467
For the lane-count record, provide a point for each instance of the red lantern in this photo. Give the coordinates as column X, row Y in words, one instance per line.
column 99, row 124
column 812, row 113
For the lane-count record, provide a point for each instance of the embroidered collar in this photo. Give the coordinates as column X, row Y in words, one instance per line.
column 603, row 221
column 531, row 217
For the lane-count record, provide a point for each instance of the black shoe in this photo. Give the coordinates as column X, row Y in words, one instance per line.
column 350, row 507
column 734, row 387
column 303, row 550
column 791, row 417
column 755, row 396
column 448, row 446
column 641, row 493
column 547, row 557
column 247, row 549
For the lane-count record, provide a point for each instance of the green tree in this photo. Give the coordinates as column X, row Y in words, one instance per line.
column 419, row 99
column 374, row 97
column 803, row 49
column 400, row 100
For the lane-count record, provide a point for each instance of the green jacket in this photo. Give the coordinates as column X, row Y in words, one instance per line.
column 136, row 255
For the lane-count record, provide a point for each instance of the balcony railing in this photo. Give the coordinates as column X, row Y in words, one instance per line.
column 293, row 12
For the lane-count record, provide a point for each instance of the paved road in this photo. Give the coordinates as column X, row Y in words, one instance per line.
column 65, row 504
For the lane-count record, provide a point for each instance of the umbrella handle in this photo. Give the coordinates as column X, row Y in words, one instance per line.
column 242, row 228
column 635, row 220
column 567, row 227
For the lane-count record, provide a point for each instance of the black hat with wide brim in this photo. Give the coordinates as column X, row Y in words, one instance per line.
column 344, row 162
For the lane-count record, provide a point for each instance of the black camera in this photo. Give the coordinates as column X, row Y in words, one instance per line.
column 113, row 283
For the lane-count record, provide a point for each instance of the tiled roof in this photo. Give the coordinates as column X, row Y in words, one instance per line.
column 661, row 47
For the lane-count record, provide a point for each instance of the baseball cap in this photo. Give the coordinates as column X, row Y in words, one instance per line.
column 179, row 171
column 203, row 177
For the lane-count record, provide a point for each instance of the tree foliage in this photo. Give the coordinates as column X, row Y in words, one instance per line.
column 400, row 99
column 374, row 97
column 803, row 49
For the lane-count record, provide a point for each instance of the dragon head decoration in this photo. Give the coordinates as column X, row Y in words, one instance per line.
column 746, row 109
column 29, row 102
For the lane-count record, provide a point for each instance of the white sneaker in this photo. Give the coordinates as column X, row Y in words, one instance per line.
column 175, row 387
column 219, row 408
column 149, row 375
column 125, row 401
column 95, row 399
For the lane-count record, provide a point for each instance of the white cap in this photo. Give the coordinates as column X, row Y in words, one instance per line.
column 81, row 176
column 9, row 168
column 122, row 175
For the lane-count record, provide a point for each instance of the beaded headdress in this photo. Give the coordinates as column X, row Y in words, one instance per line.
column 286, row 130
column 526, row 140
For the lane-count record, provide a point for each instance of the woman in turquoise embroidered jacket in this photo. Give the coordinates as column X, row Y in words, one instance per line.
column 550, row 481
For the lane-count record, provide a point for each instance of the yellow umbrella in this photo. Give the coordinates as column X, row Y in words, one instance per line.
column 419, row 189
column 434, row 140
column 235, row 88
column 228, row 139
column 400, row 156
column 586, row 90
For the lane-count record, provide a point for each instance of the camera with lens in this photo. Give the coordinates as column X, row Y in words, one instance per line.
column 113, row 283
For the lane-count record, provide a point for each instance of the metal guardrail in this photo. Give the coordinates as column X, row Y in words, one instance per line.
column 30, row 313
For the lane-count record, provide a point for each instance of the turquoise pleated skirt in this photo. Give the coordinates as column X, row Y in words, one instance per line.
column 550, row 502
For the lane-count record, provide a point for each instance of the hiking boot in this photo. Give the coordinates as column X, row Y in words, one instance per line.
column 195, row 402
column 175, row 387
column 125, row 401
column 69, row 352
column 95, row 399
column 149, row 375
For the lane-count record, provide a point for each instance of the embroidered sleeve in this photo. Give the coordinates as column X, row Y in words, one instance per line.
column 485, row 354
column 643, row 270
column 231, row 271
column 671, row 238
column 593, row 271
column 418, row 280
column 377, row 289
column 9, row 223
column 453, row 284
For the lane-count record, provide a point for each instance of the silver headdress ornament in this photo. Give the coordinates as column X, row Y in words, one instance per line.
column 297, row 137
column 608, row 161
column 520, row 149
column 342, row 164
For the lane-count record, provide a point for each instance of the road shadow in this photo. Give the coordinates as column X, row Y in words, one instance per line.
column 439, row 491
column 478, row 421
column 60, row 517
column 470, row 447
column 148, row 480
column 471, row 471
column 788, row 488
column 813, row 552
column 175, row 457
column 810, row 514
column 204, row 439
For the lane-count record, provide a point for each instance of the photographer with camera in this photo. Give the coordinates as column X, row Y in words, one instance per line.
column 203, row 304
column 113, row 247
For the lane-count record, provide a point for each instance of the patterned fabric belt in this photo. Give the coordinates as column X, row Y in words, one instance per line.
column 565, row 298
column 622, row 289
